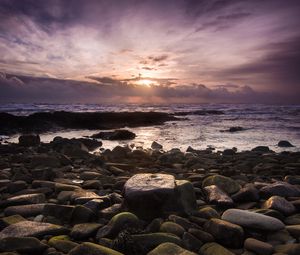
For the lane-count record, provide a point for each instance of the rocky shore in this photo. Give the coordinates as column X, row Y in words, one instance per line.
column 59, row 198
column 60, row 120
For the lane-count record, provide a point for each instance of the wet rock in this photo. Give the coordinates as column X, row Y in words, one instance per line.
column 121, row 134
column 93, row 249
column 156, row 146
column 259, row 247
column 247, row 194
column 25, row 210
column 153, row 195
column 190, row 242
column 84, row 230
column 282, row 189
column 292, row 179
column 228, row 152
column 61, row 212
column 81, row 214
column 173, row 228
column 261, row 149
column 284, row 143
column 148, row 242
column 28, row 140
column 29, row 245
column 91, row 144
column 225, row 233
column 26, row 199
column 226, row 184
column 294, row 230
column 208, row 213
column 119, row 222
column 289, row 249
column 185, row 223
column 170, row 249
column 280, row 204
column 214, row 249
column 16, row 186
column 31, row 228
column 62, row 243
column 9, row 220
column 201, row 235
column 216, row 196
column 253, row 220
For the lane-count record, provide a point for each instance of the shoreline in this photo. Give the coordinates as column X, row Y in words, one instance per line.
column 58, row 120
column 98, row 199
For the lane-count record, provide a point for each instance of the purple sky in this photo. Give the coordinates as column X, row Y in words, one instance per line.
column 155, row 51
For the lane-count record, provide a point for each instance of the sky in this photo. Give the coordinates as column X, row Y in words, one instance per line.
column 150, row 51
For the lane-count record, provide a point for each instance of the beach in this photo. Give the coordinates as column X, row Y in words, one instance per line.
column 75, row 196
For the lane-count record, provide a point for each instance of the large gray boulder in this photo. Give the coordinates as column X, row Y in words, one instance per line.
column 154, row 195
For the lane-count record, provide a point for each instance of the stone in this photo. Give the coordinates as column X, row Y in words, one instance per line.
column 32, row 228
column 214, row 249
column 218, row 197
column 154, row 195
column 16, row 186
column 156, row 146
column 225, row 233
column 84, row 230
column 253, row 220
column 121, row 134
column 262, row 149
column 28, row 140
column 61, row 212
column 27, row 199
column 82, row 214
column 258, row 247
column 29, row 245
column 294, row 230
column 285, row 144
column 25, row 210
column 280, row 204
column 292, row 179
column 62, row 243
column 190, row 242
column 226, row 184
column 185, row 223
column 203, row 236
column 91, row 144
column 247, row 194
column 170, row 249
column 148, row 242
column 9, row 220
column 282, row 189
column 292, row 220
column 207, row 213
column 288, row 249
column 119, row 222
column 173, row 228
column 92, row 249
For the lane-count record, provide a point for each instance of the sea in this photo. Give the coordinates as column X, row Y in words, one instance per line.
column 262, row 125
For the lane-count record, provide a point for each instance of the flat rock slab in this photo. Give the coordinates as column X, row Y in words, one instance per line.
column 32, row 228
column 253, row 220
column 153, row 195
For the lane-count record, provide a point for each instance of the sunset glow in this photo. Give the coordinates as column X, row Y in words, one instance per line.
column 220, row 51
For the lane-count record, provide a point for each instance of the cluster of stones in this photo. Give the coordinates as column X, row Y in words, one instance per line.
column 58, row 198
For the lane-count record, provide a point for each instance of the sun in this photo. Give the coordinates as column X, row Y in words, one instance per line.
column 145, row 82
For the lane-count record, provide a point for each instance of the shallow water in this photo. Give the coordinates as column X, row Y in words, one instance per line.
column 264, row 124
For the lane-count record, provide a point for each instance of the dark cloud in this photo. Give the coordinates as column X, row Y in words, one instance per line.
column 48, row 90
column 278, row 68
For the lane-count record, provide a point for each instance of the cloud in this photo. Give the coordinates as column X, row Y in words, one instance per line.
column 277, row 69
column 49, row 90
